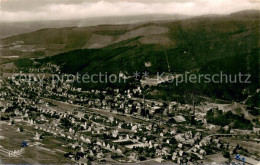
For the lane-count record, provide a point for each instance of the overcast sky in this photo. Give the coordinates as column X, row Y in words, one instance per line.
column 29, row 10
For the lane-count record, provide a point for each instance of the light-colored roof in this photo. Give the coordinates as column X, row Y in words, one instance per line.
column 179, row 119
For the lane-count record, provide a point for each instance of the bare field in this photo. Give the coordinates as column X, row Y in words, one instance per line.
column 217, row 158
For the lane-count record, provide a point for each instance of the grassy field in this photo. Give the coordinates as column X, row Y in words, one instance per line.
column 252, row 147
column 43, row 153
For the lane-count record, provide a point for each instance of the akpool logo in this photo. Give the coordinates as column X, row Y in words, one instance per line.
column 239, row 157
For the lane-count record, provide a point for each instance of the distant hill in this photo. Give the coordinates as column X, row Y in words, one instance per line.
column 51, row 41
column 247, row 14
column 15, row 28
column 207, row 44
